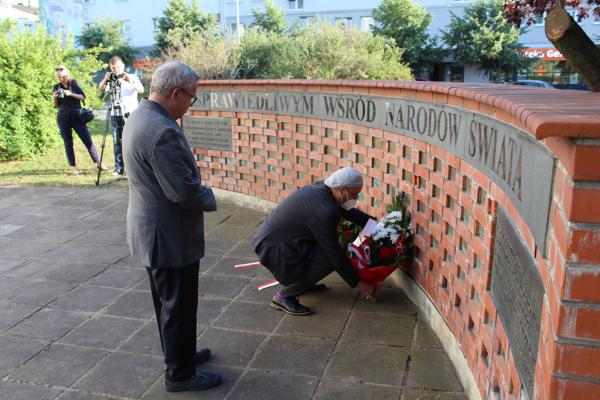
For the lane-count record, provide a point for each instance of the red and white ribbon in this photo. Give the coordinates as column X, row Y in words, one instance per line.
column 247, row 265
column 362, row 254
column 267, row 285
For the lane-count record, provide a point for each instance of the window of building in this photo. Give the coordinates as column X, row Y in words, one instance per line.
column 307, row 21
column 366, row 23
column 296, row 4
column 233, row 28
column 87, row 1
column 127, row 30
column 596, row 19
column 457, row 73
column 343, row 21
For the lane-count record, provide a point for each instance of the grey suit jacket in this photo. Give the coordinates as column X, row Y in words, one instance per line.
column 165, row 224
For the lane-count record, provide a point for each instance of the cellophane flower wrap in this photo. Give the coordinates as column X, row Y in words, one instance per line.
column 377, row 255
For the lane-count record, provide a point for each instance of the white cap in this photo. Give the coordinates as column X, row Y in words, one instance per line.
column 344, row 177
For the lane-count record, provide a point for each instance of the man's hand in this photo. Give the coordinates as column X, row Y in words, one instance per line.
column 68, row 92
column 126, row 77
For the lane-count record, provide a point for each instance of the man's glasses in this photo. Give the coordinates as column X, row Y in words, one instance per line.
column 192, row 97
column 59, row 69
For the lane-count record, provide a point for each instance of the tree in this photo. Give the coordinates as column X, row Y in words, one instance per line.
column 211, row 56
column 407, row 23
column 180, row 23
column 108, row 35
column 484, row 37
column 272, row 20
column 563, row 32
column 27, row 61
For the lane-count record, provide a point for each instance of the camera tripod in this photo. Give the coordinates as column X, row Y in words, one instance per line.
column 114, row 114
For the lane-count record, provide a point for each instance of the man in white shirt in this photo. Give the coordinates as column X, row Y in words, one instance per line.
column 129, row 86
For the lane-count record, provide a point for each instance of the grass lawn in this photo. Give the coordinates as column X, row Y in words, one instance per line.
column 52, row 168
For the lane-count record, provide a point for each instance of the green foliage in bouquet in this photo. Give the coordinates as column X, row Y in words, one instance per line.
column 347, row 232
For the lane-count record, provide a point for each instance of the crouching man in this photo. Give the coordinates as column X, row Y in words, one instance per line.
column 298, row 240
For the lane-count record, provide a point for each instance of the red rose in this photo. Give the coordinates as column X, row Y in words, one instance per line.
column 348, row 234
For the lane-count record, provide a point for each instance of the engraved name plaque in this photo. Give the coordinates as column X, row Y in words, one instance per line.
column 208, row 132
column 518, row 293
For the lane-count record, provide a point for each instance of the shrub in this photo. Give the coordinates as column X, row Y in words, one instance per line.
column 323, row 52
column 211, row 56
column 27, row 61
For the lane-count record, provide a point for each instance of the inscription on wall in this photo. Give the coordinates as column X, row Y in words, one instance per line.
column 518, row 293
column 510, row 157
column 208, row 132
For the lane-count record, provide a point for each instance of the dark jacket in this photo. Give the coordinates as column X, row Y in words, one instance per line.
column 69, row 105
column 308, row 217
column 165, row 222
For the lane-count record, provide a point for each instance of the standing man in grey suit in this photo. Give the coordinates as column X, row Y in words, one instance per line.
column 165, row 225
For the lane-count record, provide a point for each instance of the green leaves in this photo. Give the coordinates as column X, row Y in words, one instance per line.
column 180, row 23
column 407, row 23
column 27, row 61
column 106, row 39
column 324, row 52
column 273, row 19
column 483, row 36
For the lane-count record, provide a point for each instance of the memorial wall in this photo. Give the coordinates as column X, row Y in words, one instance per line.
column 503, row 184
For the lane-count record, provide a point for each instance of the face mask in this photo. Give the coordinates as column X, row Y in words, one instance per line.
column 349, row 204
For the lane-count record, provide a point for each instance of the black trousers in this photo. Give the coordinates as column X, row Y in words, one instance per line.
column 175, row 296
column 316, row 268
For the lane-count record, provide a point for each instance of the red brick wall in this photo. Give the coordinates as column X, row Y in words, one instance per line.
column 454, row 207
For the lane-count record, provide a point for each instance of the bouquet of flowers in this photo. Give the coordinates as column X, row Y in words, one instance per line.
column 377, row 250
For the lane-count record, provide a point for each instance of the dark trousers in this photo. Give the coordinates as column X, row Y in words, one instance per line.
column 175, row 296
column 66, row 123
column 316, row 268
column 117, row 124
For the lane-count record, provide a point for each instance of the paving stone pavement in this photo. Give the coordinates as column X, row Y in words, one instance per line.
column 77, row 323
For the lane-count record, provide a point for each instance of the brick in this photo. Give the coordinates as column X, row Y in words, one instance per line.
column 573, row 389
column 582, row 284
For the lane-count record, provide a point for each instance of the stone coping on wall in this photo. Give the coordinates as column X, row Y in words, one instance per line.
column 543, row 112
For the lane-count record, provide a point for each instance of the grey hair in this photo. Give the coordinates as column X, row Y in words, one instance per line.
column 172, row 75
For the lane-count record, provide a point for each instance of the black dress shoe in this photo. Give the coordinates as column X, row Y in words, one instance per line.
column 201, row 356
column 290, row 305
column 198, row 381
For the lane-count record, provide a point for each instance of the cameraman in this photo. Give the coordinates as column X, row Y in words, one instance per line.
column 128, row 87
column 67, row 96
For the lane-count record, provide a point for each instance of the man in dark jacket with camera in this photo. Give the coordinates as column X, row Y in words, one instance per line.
column 298, row 240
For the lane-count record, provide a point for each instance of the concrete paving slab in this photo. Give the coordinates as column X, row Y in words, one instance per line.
column 102, row 332
column 300, row 355
column 231, row 348
column 379, row 328
column 269, row 385
column 122, row 374
column 422, row 375
column 48, row 324
column 58, row 365
column 355, row 391
column 23, row 391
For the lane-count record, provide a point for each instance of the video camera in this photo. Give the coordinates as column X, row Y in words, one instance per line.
column 114, row 76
